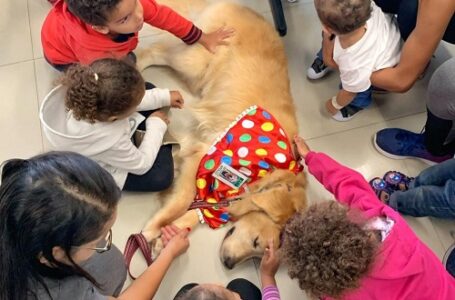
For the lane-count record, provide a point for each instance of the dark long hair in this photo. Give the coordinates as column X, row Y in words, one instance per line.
column 58, row 199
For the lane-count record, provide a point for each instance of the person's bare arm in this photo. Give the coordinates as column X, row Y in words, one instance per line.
column 327, row 50
column 145, row 286
column 432, row 20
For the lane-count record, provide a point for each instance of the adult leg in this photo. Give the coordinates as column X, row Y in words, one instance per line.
column 246, row 289
column 441, row 110
column 158, row 178
column 406, row 11
column 436, row 135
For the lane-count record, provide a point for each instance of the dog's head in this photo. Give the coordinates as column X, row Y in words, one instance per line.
column 261, row 214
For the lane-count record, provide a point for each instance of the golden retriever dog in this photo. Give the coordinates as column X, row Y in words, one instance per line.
column 250, row 70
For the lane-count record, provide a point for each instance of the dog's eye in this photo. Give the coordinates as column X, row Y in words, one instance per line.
column 255, row 242
column 230, row 231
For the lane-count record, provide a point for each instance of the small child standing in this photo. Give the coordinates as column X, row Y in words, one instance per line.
column 94, row 114
column 82, row 31
column 358, row 247
column 358, row 39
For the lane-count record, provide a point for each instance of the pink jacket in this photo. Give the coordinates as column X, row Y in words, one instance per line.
column 405, row 268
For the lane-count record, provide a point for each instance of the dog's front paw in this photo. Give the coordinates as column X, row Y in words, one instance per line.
column 156, row 245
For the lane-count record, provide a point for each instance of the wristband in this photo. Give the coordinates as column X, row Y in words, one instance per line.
column 335, row 103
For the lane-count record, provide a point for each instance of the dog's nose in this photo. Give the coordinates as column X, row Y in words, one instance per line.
column 228, row 262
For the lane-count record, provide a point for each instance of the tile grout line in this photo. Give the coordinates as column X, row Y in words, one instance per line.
column 364, row 126
column 36, row 77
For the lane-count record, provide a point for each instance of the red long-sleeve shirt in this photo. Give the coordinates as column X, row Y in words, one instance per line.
column 67, row 39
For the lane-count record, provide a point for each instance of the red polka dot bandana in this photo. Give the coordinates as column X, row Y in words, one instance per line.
column 254, row 144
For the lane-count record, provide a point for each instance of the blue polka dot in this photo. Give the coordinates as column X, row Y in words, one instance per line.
column 263, row 164
column 224, row 217
column 227, row 160
column 264, row 139
column 229, row 137
column 266, row 115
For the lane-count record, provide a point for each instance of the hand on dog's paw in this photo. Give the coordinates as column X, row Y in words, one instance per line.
column 151, row 234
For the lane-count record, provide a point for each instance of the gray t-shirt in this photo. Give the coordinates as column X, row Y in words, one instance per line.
column 107, row 268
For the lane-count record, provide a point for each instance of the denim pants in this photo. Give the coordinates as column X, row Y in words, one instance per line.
column 362, row 99
column 432, row 193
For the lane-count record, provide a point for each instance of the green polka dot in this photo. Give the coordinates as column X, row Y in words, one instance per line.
column 282, row 145
column 244, row 163
column 216, row 184
column 245, row 137
column 252, row 112
column 209, row 164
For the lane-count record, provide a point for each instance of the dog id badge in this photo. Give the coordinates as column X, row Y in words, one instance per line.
column 229, row 176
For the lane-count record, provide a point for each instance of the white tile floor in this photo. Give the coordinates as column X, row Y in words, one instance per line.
column 25, row 78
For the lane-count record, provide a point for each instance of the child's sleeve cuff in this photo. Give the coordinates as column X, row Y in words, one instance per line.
column 193, row 36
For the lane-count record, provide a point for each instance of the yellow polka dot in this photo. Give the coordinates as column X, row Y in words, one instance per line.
column 262, row 173
column 207, row 213
column 292, row 165
column 228, row 152
column 211, row 200
column 232, row 192
column 267, row 126
column 201, row 183
column 261, row 152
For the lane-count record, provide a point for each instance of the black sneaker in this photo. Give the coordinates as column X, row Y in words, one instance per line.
column 346, row 113
column 317, row 70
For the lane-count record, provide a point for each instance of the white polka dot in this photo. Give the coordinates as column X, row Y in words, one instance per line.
column 245, row 171
column 280, row 157
column 242, row 152
column 282, row 132
column 247, row 124
column 211, row 150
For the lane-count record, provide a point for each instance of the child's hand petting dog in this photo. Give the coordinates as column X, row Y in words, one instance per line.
column 270, row 261
column 177, row 99
column 175, row 240
column 302, row 147
column 269, row 265
column 216, row 38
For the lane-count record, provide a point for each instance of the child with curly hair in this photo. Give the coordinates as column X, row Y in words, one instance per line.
column 358, row 247
column 95, row 113
column 82, row 31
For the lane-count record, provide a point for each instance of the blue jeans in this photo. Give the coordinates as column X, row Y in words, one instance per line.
column 362, row 99
column 432, row 193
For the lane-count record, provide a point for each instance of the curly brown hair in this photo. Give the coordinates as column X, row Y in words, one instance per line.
column 343, row 16
column 93, row 12
column 106, row 88
column 327, row 249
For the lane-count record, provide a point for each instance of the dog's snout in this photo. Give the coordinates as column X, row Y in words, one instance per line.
column 228, row 262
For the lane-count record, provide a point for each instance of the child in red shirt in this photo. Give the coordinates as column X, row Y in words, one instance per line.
column 86, row 30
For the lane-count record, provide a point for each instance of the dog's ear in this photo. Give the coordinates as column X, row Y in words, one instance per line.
column 280, row 203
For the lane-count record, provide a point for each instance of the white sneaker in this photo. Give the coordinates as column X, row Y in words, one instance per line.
column 317, row 70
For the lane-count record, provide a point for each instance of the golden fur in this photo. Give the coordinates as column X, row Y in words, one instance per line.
column 252, row 69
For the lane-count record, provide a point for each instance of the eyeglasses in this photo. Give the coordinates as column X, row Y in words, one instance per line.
column 107, row 247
